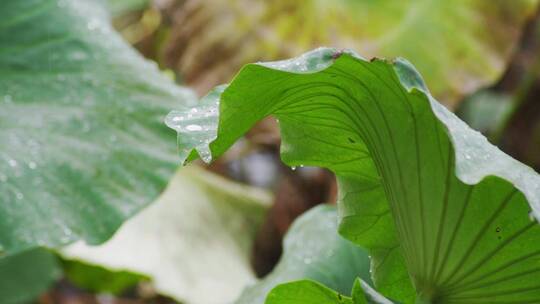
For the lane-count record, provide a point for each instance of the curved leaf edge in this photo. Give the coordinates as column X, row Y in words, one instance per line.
column 471, row 167
column 294, row 291
column 472, row 164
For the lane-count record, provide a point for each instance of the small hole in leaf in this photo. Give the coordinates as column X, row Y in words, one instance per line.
column 352, row 141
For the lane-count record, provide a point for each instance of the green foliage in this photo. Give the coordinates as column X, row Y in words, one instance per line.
column 443, row 213
column 486, row 111
column 314, row 250
column 305, row 292
column 99, row 279
column 119, row 7
column 25, row 276
column 197, row 236
column 311, row 292
column 458, row 45
column 83, row 144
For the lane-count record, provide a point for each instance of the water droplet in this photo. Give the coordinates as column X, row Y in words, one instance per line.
column 32, row 165
column 12, row 163
column 8, row 99
column 85, row 127
column 19, row 195
column 467, row 156
column 293, row 168
column 92, row 24
column 193, row 128
column 78, row 55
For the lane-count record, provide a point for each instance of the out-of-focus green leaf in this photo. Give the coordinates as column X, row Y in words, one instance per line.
column 311, row 292
column 486, row 110
column 24, row 276
column 119, row 7
column 194, row 242
column 99, row 279
column 443, row 213
column 458, row 45
column 314, row 250
column 305, row 292
column 82, row 143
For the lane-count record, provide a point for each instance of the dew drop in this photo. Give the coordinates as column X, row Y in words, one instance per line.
column 32, row 165
column 92, row 24
column 8, row 99
column 78, row 56
column 193, row 128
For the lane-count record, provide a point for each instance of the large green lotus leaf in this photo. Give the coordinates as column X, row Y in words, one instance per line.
column 26, row 275
column 443, row 213
column 82, row 142
column 197, row 237
column 313, row 249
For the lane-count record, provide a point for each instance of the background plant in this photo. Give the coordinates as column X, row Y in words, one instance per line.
column 84, row 147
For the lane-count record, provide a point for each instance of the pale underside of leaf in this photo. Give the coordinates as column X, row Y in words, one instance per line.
column 196, row 237
column 313, row 249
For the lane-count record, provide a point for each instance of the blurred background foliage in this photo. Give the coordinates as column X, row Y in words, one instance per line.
column 481, row 58
column 458, row 46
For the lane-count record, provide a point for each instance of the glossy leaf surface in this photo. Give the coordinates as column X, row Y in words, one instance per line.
column 314, row 250
column 444, row 214
column 82, row 144
column 23, row 277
